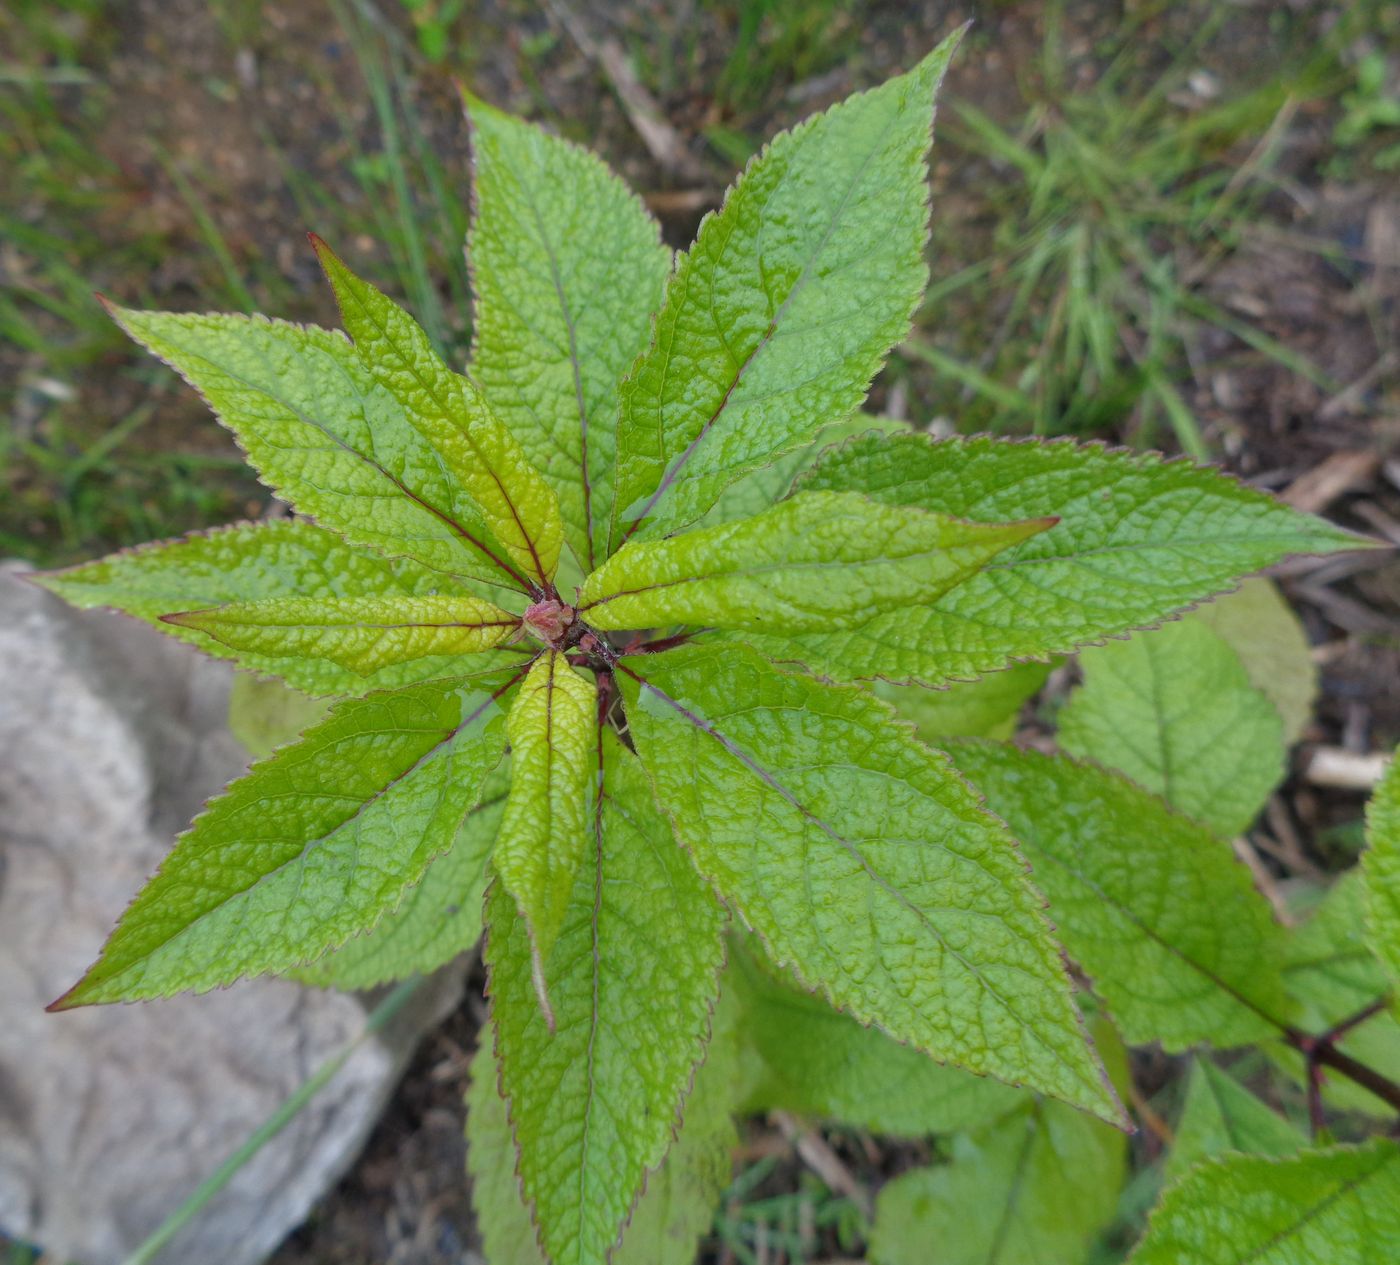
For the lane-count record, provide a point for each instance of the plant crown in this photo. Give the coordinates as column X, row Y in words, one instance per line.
column 625, row 629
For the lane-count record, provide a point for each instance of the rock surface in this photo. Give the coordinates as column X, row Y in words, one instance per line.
column 111, row 738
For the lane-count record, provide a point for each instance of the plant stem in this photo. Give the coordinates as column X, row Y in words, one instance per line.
column 1321, row 1051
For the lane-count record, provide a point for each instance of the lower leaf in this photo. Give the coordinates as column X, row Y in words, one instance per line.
column 633, row 975
column 816, row 1061
column 1038, row 1186
column 1340, row 1206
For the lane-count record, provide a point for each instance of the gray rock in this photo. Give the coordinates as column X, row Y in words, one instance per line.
column 111, row 737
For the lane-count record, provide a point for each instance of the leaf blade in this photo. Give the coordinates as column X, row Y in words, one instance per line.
column 1038, row 1185
column 1335, row 1205
column 254, row 562
column 1381, row 868
column 1221, row 1115
column 1138, row 539
column 1173, row 709
column 313, row 845
column 838, row 787
column 633, row 977
column 809, row 562
column 435, row 920
column 1171, row 931
column 559, row 321
column 819, row 1062
column 552, row 729
column 784, row 308
column 519, row 508
column 360, row 634
column 326, row 436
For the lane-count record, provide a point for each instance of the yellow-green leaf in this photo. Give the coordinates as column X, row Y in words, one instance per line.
column 257, row 563
column 362, row 634
column 548, row 822
column 815, row 561
column 480, row 454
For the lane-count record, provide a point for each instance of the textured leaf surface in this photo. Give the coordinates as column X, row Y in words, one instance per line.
column 435, row 920
column 819, row 1062
column 673, row 1212
column 760, row 488
column 361, row 634
column 549, row 815
column 1035, row 1187
column 1221, row 1115
column 632, row 978
column 568, row 269
column 1174, row 709
column 1271, row 643
column 1139, row 538
column 314, row 845
column 809, row 562
column 327, row 437
column 1157, row 911
column 1382, row 870
column 1331, row 974
column 476, row 450
column 778, row 317
column 253, row 563
column 1339, row 1206
column 985, row 708
column 862, row 861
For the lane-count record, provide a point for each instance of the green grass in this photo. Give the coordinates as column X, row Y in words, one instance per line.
column 98, row 446
column 1110, row 205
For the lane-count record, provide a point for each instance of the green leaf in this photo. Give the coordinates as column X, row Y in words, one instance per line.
column 1332, row 974
column 1038, row 1186
column 1339, row 1206
column 1221, row 1115
column 568, row 269
column 632, row 979
column 263, row 715
column 819, row 1062
column 807, row 563
column 360, row 634
column 255, row 563
column 1174, row 709
column 778, row 317
column 1273, row 647
column 862, row 861
column 760, row 488
column 314, row 845
column 1157, row 912
column 474, row 448
column 553, row 731
column 434, row 921
column 327, row 437
column 674, row 1211
column 1382, row 870
column 1138, row 538
column 985, row 708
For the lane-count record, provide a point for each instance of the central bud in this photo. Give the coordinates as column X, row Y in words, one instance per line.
column 549, row 620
